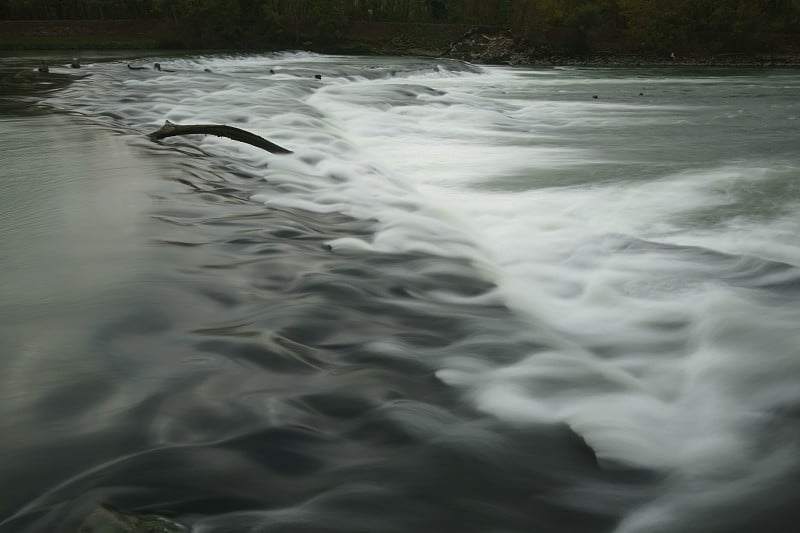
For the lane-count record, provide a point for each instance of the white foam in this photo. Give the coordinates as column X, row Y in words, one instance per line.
column 657, row 363
column 657, row 354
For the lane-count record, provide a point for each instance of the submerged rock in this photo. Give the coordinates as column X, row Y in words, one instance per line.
column 105, row 519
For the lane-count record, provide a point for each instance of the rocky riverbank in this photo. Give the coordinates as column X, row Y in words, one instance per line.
column 502, row 47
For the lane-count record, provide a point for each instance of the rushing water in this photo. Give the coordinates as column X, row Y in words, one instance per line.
column 473, row 299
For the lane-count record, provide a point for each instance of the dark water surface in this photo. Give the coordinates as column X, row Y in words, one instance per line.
column 473, row 299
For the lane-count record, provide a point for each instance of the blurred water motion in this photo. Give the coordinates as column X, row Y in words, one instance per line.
column 472, row 299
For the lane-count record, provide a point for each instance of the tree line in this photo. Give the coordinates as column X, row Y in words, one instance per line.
column 574, row 25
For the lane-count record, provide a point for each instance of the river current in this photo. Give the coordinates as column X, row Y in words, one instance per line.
column 473, row 299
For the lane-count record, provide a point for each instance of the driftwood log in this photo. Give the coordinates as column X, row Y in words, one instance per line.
column 170, row 130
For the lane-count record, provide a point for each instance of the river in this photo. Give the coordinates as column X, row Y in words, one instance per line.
column 472, row 299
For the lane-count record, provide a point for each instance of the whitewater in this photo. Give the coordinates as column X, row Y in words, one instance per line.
column 473, row 298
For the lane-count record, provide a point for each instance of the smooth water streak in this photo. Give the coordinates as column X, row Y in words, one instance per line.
column 642, row 243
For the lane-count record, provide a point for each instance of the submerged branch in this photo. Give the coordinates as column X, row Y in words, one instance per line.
column 170, row 130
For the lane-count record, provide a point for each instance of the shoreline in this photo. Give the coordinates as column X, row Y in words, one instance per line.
column 605, row 59
column 498, row 47
column 635, row 61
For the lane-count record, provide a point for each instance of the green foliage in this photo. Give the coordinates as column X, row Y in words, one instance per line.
column 576, row 25
column 329, row 19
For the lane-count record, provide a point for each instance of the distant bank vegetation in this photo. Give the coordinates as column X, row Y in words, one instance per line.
column 571, row 26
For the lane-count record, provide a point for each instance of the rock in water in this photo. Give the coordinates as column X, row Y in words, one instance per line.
column 105, row 519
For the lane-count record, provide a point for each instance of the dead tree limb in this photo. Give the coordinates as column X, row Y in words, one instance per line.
column 170, row 130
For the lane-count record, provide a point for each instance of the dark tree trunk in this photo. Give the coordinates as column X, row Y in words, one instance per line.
column 170, row 130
